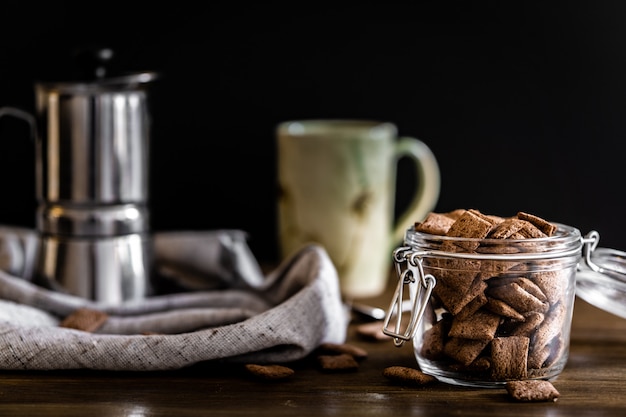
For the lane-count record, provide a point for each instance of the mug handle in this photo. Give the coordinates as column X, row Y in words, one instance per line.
column 427, row 190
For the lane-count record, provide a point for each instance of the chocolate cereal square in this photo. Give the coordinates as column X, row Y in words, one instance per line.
column 85, row 319
column 455, row 214
column 482, row 325
column 509, row 358
column 338, row 363
column 271, row 372
column 508, row 228
column 455, row 298
column 455, row 273
column 550, row 328
column 434, row 339
column 464, row 351
column 472, row 307
column 435, row 224
column 407, row 376
column 529, row 325
column 469, row 225
column 552, row 283
column 532, row 390
column 518, row 298
column 546, row 227
column 501, row 308
column 494, row 220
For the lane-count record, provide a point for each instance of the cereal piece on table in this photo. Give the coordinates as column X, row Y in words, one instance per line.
column 339, row 348
column 435, row 224
column 464, row 351
column 406, row 375
column 85, row 319
column 509, row 357
column 532, row 390
column 469, row 225
column 338, row 363
column 546, row 227
column 269, row 372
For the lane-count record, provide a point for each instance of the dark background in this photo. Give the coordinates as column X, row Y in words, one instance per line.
column 523, row 103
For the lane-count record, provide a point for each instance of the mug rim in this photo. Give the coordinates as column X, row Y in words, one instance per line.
column 310, row 127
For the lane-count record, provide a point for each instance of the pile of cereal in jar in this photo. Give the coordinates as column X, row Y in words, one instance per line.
column 494, row 320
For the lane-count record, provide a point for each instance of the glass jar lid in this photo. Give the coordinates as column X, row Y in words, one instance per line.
column 601, row 278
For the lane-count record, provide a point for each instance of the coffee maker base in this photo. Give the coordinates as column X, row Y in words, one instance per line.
column 110, row 270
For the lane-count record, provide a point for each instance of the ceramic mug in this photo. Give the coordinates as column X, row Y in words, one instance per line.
column 337, row 188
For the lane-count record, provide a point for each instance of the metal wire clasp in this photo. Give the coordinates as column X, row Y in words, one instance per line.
column 410, row 272
column 590, row 243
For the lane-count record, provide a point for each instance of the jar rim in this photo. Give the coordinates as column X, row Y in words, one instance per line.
column 565, row 239
column 563, row 232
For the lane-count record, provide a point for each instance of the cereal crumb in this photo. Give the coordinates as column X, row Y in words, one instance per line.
column 338, row 363
column 406, row 375
column 532, row 390
column 269, row 372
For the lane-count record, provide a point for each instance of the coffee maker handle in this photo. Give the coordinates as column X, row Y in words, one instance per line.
column 21, row 114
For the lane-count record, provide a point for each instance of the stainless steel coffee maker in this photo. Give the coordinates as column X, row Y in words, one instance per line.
column 92, row 159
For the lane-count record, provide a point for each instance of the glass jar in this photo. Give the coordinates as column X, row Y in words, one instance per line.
column 491, row 310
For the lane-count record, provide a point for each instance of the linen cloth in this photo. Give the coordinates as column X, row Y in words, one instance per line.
column 219, row 306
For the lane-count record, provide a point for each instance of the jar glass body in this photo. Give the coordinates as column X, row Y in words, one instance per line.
column 500, row 310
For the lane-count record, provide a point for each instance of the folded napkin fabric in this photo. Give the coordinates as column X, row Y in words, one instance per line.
column 224, row 309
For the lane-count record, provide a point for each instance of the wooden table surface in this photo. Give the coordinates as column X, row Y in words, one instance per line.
column 592, row 384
